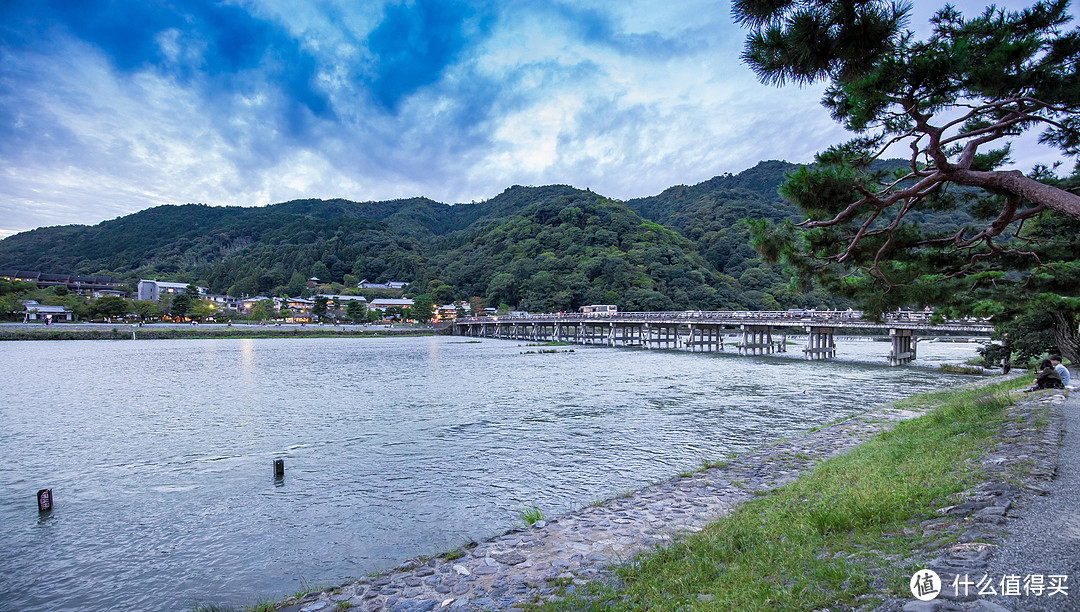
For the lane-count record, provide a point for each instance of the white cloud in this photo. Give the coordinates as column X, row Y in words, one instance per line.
column 626, row 98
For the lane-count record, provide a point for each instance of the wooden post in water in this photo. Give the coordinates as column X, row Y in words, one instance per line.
column 279, row 468
column 820, row 343
column 903, row 348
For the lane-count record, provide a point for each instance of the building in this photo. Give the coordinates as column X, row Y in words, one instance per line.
column 224, row 302
column 365, row 284
column 342, row 300
column 299, row 307
column 247, row 304
column 34, row 312
column 448, row 312
column 78, row 284
column 381, row 304
column 153, row 290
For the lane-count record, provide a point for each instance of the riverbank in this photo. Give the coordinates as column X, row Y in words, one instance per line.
column 583, row 559
column 105, row 331
column 939, row 492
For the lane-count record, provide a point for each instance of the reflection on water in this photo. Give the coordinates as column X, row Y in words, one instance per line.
column 160, row 452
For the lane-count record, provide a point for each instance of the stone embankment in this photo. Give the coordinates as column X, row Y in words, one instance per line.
column 552, row 557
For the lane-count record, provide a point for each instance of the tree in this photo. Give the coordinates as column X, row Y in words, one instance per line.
column 318, row 310
column 955, row 101
column 263, row 310
column 297, row 284
column 442, row 294
column 191, row 291
column 110, row 306
column 201, row 310
column 1032, row 334
column 145, row 309
column 476, row 307
column 355, row 310
column 423, row 309
column 180, row 305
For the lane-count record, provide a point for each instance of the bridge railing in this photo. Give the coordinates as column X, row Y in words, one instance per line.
column 789, row 317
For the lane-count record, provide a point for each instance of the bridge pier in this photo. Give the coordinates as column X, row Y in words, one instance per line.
column 705, row 338
column 903, row 347
column 665, row 337
column 756, row 340
column 625, row 335
column 820, row 343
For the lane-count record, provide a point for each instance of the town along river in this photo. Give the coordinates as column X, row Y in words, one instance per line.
column 160, row 452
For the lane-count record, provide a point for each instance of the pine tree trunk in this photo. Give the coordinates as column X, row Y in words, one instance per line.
column 1067, row 335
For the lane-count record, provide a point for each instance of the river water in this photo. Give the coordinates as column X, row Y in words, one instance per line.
column 160, row 452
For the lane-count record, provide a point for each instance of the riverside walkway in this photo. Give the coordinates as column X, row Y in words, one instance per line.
column 704, row 331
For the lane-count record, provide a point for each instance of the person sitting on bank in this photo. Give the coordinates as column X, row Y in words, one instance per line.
column 1062, row 371
column 1047, row 378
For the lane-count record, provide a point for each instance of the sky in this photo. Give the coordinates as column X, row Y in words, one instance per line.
column 113, row 106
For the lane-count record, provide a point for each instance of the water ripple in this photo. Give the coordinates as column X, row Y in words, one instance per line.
column 159, row 452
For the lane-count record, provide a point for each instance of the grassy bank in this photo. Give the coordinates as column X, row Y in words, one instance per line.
column 146, row 333
column 809, row 545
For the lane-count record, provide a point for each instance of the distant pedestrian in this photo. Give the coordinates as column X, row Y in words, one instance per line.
column 1062, row 371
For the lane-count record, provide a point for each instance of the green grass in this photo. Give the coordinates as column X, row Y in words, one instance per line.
column 960, row 369
column 530, row 514
column 808, row 545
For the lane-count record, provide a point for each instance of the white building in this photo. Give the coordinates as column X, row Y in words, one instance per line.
column 341, row 299
column 365, row 284
column 383, row 303
column 33, row 311
column 153, row 289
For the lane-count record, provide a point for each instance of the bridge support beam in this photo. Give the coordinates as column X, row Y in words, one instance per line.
column 705, row 338
column 903, row 347
column 756, row 340
column 660, row 336
column 820, row 343
column 625, row 335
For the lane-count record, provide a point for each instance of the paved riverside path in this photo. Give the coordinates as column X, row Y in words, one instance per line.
column 529, row 563
column 1044, row 538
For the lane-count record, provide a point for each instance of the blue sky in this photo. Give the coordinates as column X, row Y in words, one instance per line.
column 109, row 107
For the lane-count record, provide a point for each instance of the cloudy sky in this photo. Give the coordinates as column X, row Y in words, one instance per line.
column 112, row 106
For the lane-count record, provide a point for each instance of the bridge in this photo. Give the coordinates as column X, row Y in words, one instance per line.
column 704, row 331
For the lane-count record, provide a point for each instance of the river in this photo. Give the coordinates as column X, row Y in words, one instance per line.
column 160, row 452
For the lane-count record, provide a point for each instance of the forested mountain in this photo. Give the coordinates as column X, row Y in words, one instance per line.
column 580, row 248
column 710, row 214
column 539, row 248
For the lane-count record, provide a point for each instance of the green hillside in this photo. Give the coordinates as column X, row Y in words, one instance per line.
column 540, row 248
